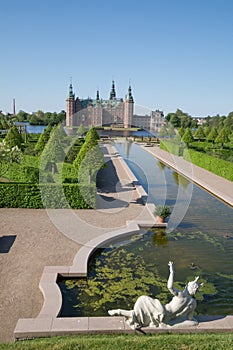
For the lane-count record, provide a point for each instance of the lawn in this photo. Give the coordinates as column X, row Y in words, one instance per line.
column 197, row 341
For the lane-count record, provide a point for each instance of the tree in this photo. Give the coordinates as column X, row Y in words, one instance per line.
column 168, row 116
column 5, row 123
column 33, row 120
column 185, row 121
column 207, row 130
column 188, row 137
column 81, row 130
column 43, row 139
column 92, row 135
column 175, row 120
column 8, row 155
column 171, row 131
column 90, row 158
column 228, row 122
column 212, row 135
column 163, row 131
column 54, row 151
column 181, row 132
column 59, row 133
column 223, row 137
column 13, row 137
column 193, row 123
column 199, row 133
column 22, row 116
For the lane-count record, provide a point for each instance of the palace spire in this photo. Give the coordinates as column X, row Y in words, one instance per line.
column 113, row 91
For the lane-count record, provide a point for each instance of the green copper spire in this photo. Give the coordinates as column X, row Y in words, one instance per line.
column 113, row 92
column 130, row 96
column 71, row 94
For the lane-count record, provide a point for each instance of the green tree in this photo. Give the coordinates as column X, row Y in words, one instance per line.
column 90, row 158
column 22, row 116
column 212, row 135
column 13, row 137
column 185, row 121
column 53, row 152
column 207, row 130
column 188, row 137
column 223, row 137
column 5, row 123
column 168, row 116
column 33, row 120
column 228, row 122
column 163, row 131
column 8, row 155
column 59, row 133
column 181, row 131
column 171, row 130
column 199, row 133
column 175, row 120
column 43, row 139
column 81, row 130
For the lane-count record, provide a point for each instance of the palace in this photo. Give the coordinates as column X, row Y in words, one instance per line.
column 112, row 112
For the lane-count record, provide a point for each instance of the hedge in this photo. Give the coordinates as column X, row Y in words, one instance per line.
column 26, row 195
column 215, row 165
column 171, row 147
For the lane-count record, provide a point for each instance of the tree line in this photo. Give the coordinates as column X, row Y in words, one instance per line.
column 37, row 118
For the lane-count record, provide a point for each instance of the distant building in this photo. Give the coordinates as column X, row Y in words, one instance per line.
column 99, row 112
column 112, row 112
column 157, row 120
column 200, row 120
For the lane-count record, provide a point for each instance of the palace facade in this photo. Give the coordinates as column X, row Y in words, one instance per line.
column 112, row 112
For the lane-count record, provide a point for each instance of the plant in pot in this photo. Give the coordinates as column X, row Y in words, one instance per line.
column 162, row 212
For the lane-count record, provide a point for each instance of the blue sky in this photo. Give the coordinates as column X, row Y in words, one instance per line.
column 177, row 53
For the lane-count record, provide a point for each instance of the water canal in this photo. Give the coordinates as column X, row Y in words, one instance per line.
column 199, row 240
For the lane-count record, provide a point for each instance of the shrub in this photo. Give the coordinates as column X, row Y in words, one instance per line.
column 163, row 211
column 172, row 147
column 217, row 166
column 21, row 195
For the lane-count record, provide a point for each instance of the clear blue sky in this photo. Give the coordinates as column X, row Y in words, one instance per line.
column 177, row 53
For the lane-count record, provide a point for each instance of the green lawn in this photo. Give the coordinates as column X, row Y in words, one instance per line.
column 201, row 341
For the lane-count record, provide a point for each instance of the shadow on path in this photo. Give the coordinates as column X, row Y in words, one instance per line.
column 110, row 190
column 6, row 243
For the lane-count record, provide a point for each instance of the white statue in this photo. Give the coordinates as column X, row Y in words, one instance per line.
column 149, row 312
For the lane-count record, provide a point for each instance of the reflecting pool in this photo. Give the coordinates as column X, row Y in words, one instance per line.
column 199, row 240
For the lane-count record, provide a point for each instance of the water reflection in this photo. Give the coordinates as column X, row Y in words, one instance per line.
column 200, row 243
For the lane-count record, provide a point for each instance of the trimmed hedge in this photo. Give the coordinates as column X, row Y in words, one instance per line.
column 171, row 147
column 215, row 165
column 26, row 195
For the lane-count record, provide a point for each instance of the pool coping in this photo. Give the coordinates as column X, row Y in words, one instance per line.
column 52, row 326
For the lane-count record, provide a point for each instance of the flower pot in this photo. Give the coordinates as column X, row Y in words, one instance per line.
column 160, row 220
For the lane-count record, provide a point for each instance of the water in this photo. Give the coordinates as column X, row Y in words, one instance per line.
column 199, row 240
column 33, row 129
column 126, row 133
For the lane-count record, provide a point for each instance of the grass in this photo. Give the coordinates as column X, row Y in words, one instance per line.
column 197, row 341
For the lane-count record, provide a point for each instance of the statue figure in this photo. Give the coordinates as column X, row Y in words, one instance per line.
column 149, row 312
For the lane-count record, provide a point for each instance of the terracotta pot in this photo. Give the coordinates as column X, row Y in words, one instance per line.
column 160, row 220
